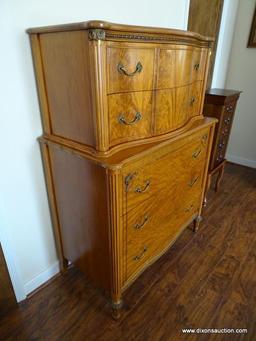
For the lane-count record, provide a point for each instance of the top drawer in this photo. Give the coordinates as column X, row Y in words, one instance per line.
column 179, row 67
column 136, row 68
column 129, row 69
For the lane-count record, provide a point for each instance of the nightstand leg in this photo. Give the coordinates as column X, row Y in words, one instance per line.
column 63, row 265
column 196, row 222
column 219, row 177
column 116, row 309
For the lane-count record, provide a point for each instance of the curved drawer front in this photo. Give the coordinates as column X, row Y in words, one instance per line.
column 129, row 116
column 156, row 174
column 153, row 224
column 175, row 107
column 129, row 69
column 179, row 67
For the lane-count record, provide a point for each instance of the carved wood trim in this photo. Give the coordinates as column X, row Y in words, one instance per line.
column 113, row 35
column 96, row 34
column 98, row 75
column 115, row 234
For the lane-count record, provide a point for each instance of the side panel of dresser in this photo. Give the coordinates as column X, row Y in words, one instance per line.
column 64, row 64
column 85, row 205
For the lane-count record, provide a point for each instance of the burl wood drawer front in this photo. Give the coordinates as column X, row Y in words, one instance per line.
column 155, row 175
column 190, row 65
column 155, row 223
column 174, row 107
column 195, row 96
column 129, row 116
column 129, row 69
column 179, row 67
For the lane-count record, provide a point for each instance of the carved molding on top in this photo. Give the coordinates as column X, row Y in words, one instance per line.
column 145, row 37
column 100, row 34
column 97, row 34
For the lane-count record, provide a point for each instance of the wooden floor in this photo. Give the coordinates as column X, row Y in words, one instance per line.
column 206, row 280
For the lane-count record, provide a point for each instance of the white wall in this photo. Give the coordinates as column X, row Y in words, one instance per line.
column 241, row 75
column 24, row 209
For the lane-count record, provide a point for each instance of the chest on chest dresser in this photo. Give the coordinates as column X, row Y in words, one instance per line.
column 125, row 146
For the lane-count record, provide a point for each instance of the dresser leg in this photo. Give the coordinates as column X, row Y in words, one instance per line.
column 116, row 309
column 196, row 222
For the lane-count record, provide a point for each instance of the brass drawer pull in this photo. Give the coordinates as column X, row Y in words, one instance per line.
column 138, row 257
column 121, row 69
column 137, row 118
column 139, row 226
column 227, row 120
column 141, row 190
column 221, row 145
column 204, row 138
column 192, row 101
column 188, row 209
column 193, row 181
column 128, row 180
column 225, row 131
column 196, row 153
column 196, row 66
column 229, row 108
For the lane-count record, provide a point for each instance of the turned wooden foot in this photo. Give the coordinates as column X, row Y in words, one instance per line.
column 116, row 309
column 196, row 222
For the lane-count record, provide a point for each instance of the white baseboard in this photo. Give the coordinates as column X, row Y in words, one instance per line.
column 42, row 278
column 241, row 161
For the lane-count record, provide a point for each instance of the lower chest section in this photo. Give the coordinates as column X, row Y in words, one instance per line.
column 162, row 194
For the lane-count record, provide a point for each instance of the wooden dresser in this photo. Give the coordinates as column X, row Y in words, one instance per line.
column 125, row 146
column 221, row 104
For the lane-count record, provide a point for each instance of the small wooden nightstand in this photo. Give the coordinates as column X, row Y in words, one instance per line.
column 221, row 104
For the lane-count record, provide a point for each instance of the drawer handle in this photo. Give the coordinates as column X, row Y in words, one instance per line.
column 188, row 209
column 229, row 108
column 227, row 120
column 221, row 145
column 196, row 153
column 137, row 118
column 128, row 179
column 121, row 69
column 204, row 138
column 196, row 66
column 193, row 181
column 138, row 257
column 141, row 190
column 139, row 226
column 192, row 100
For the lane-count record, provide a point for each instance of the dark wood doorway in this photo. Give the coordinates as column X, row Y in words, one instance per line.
column 204, row 18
